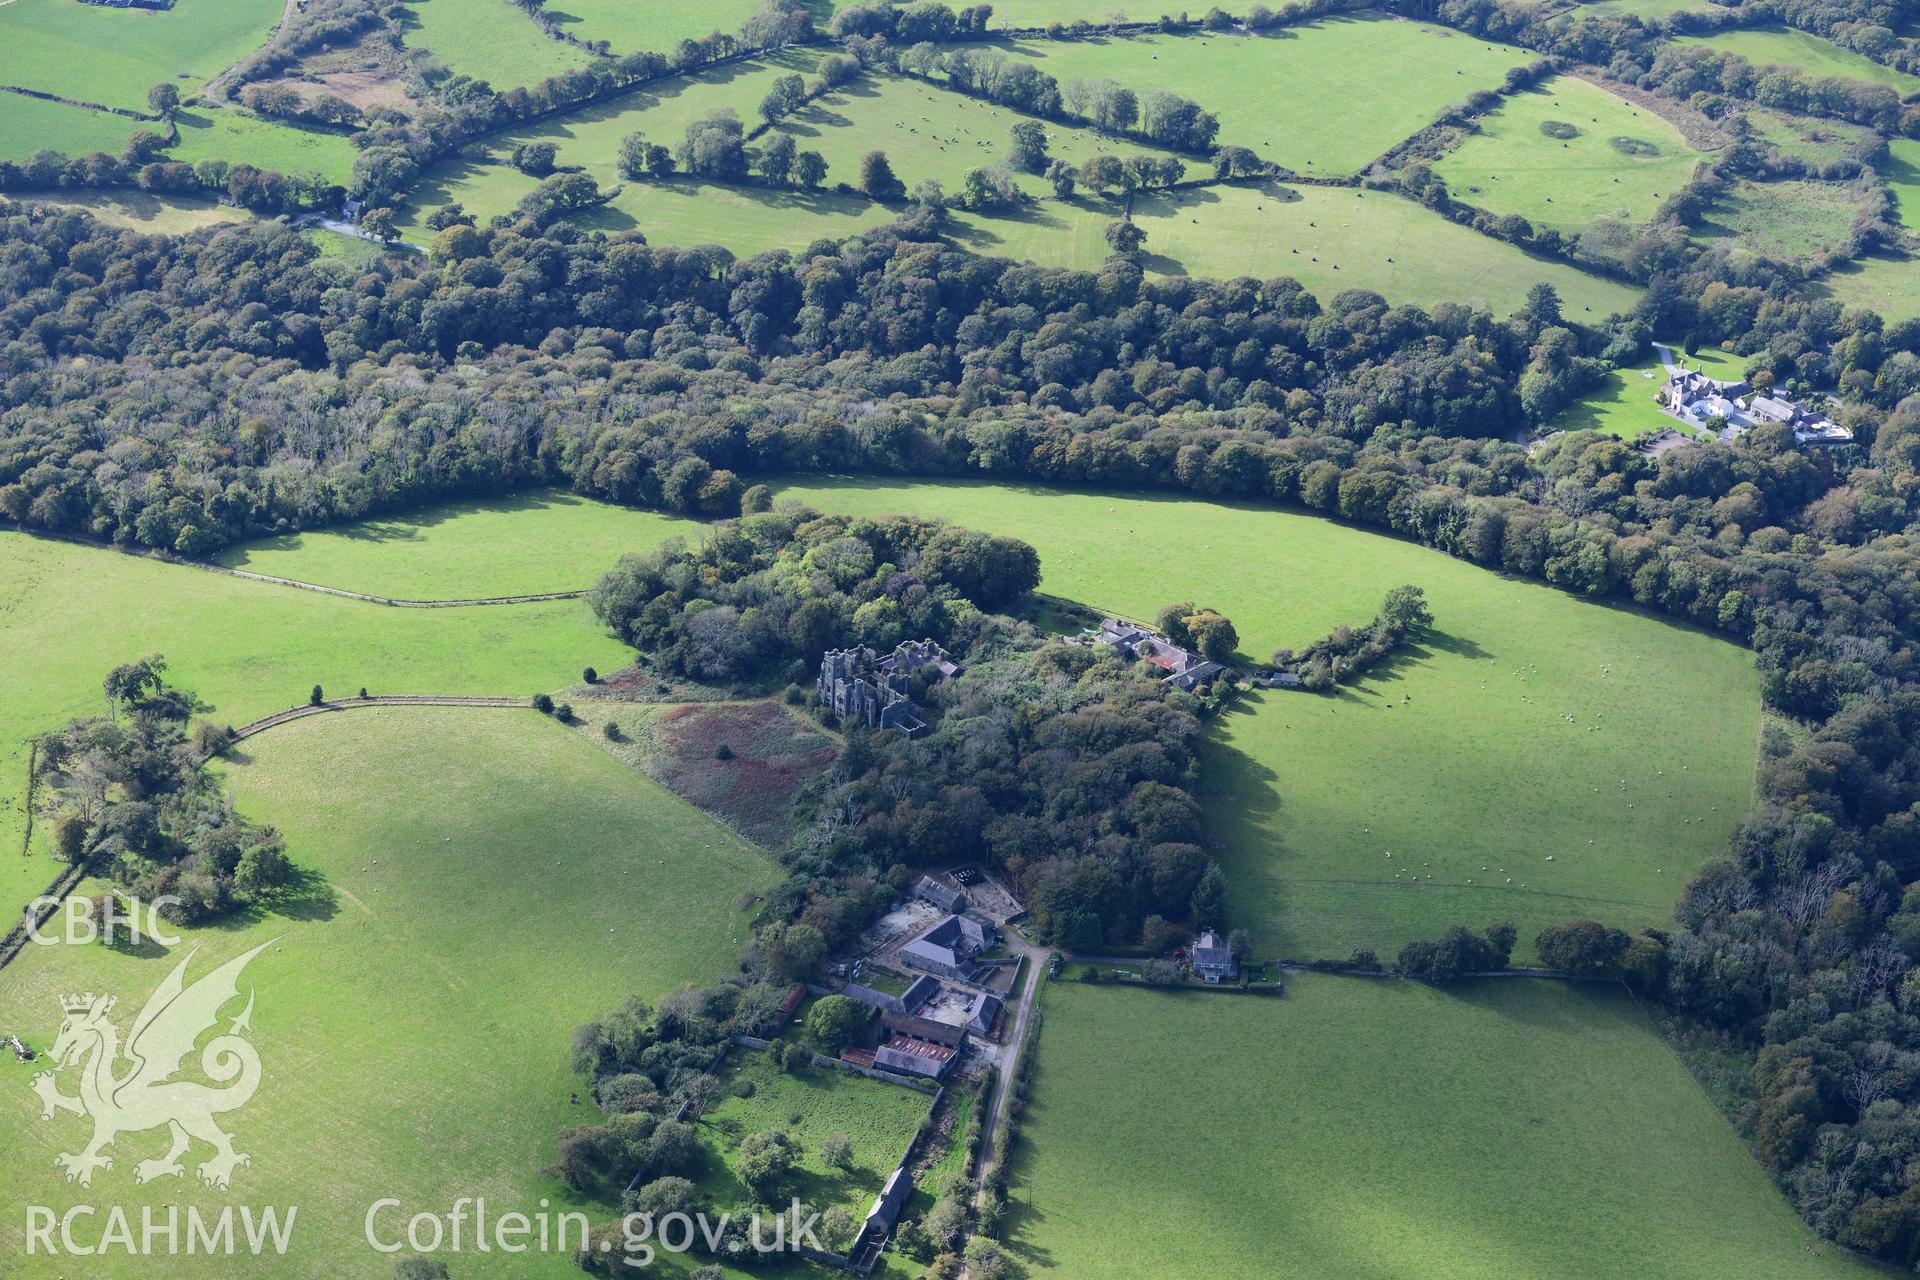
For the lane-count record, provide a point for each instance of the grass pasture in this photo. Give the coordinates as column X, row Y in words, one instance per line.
column 591, row 136
column 91, row 53
column 69, row 613
column 489, row 40
column 1783, row 220
column 1313, row 98
column 1362, row 1130
column 1808, row 54
column 1601, row 184
column 481, row 881
column 1458, row 756
column 28, row 125
column 139, row 210
column 930, row 132
column 1887, row 282
column 655, row 26
column 235, row 136
column 1329, row 238
column 1815, row 141
column 1901, row 171
column 1645, row 10
column 878, row 1118
column 523, row 544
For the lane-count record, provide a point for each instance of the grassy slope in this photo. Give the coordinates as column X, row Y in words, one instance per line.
column 1479, row 768
column 113, row 56
column 1509, row 166
column 491, row 880
column 29, row 124
column 139, row 210
column 489, row 40
column 1361, row 1131
column 1329, row 238
column 929, row 132
column 527, row 544
column 879, row 1119
column 1782, row 219
column 1312, row 98
column 1038, row 13
column 1902, row 174
column 656, row 26
column 267, row 144
column 1623, row 405
column 69, row 613
column 1808, row 54
column 1814, row 140
column 591, row 137
column 1888, row 283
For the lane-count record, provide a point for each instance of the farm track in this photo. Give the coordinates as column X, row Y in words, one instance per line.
column 381, row 700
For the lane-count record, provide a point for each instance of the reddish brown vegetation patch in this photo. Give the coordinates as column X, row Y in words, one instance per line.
column 771, row 757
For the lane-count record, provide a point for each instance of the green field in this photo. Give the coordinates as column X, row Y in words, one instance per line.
column 1812, row 140
column 591, row 136
column 70, row 613
column 91, row 53
column 657, row 25
column 679, row 211
column 1030, row 14
column 1316, row 98
column 1888, row 283
column 1645, row 10
column 1585, row 186
column 266, row 144
column 484, row 880
column 932, row 133
column 1783, row 220
column 489, row 40
column 1364, row 1130
column 1901, row 170
column 878, row 1118
column 1457, row 757
column 1622, row 406
column 1807, row 54
column 28, row 125
column 139, row 210
column 527, row 544
column 1329, row 238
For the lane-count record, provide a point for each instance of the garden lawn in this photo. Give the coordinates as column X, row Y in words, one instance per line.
column 880, row 1119
column 1807, row 54
column 1456, row 756
column 655, row 26
column 490, row 40
column 140, row 210
column 526, row 544
column 93, row 53
column 1781, row 220
column 236, row 137
column 1622, row 406
column 482, row 881
column 1358, row 1130
column 929, row 132
column 1318, row 99
column 1331, row 239
column 591, row 136
column 28, row 125
column 1601, row 184
column 69, row 614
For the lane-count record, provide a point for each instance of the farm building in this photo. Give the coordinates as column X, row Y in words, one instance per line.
column 948, row 949
column 982, row 1013
column 915, row 1057
column 1184, row 668
column 864, row 1254
column 941, row 894
column 1212, row 960
column 907, row 1024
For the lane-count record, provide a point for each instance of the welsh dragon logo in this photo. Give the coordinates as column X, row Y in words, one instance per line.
column 145, row 1094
